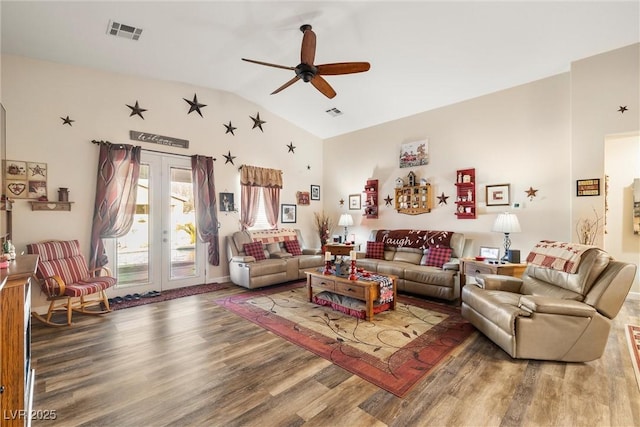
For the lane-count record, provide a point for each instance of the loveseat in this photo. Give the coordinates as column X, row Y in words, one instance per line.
column 267, row 257
column 425, row 262
column 561, row 309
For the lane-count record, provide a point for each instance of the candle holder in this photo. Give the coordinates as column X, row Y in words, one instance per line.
column 327, row 268
column 353, row 276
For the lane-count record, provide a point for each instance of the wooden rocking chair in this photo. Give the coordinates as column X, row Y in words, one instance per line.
column 66, row 280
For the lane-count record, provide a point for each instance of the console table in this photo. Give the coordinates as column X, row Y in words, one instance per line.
column 340, row 248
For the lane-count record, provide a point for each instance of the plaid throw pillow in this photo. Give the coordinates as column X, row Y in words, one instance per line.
column 438, row 256
column 375, row 250
column 293, row 247
column 255, row 250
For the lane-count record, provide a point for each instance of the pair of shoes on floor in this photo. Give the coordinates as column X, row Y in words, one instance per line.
column 151, row 294
column 128, row 297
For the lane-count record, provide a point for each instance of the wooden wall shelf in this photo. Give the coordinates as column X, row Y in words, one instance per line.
column 371, row 199
column 413, row 200
column 466, row 194
column 50, row 206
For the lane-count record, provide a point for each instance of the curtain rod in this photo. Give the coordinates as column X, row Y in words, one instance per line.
column 146, row 149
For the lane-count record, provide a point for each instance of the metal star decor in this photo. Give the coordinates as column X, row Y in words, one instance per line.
column 308, row 167
column 66, row 121
column 442, row 199
column 531, row 193
column 291, row 148
column 136, row 110
column 387, row 200
column 622, row 109
column 230, row 128
column 195, row 105
column 229, row 158
column 341, row 202
column 257, row 123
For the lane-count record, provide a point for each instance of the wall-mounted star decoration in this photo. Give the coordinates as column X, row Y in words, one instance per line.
column 257, row 123
column 228, row 158
column 230, row 129
column 531, row 193
column 66, row 121
column 341, row 202
column 308, row 167
column 388, row 200
column 291, row 147
column 622, row 109
column 442, row 199
column 195, row 105
column 136, row 110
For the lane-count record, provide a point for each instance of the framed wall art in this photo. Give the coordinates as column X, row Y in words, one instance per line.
column 25, row 180
column 354, row 201
column 302, row 197
column 288, row 214
column 315, row 192
column 498, row 195
column 227, row 203
column 588, row 187
column 414, row 154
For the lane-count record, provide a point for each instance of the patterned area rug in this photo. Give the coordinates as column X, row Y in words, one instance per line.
column 170, row 294
column 394, row 351
column 633, row 339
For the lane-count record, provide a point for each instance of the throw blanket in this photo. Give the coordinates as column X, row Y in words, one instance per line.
column 273, row 236
column 557, row 255
column 419, row 239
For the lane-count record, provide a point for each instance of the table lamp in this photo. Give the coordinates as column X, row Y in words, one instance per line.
column 506, row 223
column 345, row 221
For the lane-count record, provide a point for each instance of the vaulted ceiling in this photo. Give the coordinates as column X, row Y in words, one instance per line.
column 423, row 54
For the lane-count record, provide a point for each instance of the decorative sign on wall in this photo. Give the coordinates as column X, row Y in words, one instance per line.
column 158, row 139
column 25, row 180
column 588, row 187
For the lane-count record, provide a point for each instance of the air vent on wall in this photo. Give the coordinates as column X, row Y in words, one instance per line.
column 122, row 30
column 334, row 112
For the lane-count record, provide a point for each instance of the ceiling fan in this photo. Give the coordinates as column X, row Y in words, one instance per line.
column 309, row 72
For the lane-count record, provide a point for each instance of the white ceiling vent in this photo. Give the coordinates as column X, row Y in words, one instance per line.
column 122, row 30
column 334, row 112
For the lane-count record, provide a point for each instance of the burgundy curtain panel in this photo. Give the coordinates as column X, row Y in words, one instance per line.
column 206, row 205
column 116, row 190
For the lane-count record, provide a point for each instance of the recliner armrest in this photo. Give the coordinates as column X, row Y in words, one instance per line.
column 311, row 251
column 499, row 282
column 243, row 258
column 548, row 305
column 454, row 265
column 280, row 255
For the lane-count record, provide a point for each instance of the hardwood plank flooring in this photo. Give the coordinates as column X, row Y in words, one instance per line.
column 189, row 362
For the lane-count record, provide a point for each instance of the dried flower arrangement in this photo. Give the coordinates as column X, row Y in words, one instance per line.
column 587, row 229
column 324, row 226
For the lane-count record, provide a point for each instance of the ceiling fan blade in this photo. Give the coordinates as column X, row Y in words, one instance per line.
column 286, row 85
column 324, row 87
column 308, row 50
column 343, row 68
column 269, row 64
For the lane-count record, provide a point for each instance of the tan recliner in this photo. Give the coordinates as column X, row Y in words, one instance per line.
column 551, row 314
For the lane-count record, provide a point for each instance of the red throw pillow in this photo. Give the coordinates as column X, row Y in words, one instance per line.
column 375, row 250
column 438, row 256
column 255, row 250
column 293, row 247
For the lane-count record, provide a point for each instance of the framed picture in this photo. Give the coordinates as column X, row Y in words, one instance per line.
column 302, row 197
column 489, row 253
column 354, row 201
column 315, row 192
column 226, row 202
column 288, row 214
column 414, row 154
column 588, row 187
column 25, row 180
column 498, row 195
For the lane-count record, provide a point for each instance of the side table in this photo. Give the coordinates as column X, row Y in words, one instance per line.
column 340, row 248
column 472, row 267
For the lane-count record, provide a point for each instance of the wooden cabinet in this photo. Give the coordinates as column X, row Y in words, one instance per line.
column 413, row 200
column 466, row 194
column 470, row 267
column 16, row 374
column 371, row 199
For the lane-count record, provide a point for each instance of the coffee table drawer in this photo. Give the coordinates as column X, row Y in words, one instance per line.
column 322, row 282
column 350, row 290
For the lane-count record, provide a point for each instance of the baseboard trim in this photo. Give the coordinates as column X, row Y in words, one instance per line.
column 633, row 296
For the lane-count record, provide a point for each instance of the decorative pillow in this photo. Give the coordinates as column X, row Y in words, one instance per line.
column 293, row 247
column 375, row 250
column 255, row 250
column 438, row 256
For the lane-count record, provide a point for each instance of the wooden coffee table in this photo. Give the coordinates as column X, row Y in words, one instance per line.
column 364, row 290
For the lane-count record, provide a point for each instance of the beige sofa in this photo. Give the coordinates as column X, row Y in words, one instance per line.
column 405, row 263
column 279, row 267
column 551, row 314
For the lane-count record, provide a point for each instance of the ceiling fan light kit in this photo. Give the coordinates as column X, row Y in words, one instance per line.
column 308, row 72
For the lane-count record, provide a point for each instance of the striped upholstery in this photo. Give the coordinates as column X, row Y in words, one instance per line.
column 64, row 259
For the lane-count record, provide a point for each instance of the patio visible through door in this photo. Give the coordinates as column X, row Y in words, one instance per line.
column 161, row 251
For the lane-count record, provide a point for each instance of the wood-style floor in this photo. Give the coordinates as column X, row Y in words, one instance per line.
column 189, row 362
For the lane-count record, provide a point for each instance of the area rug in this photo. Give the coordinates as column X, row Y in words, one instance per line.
column 169, row 294
column 633, row 340
column 394, row 351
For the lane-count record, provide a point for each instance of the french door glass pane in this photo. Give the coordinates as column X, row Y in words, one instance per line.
column 182, row 225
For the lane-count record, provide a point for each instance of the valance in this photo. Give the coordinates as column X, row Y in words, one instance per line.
column 260, row 177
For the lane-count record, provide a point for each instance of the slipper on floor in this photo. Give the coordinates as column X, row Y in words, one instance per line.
column 128, row 297
column 136, row 296
column 118, row 300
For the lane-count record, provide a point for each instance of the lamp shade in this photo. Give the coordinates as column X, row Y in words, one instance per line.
column 506, row 223
column 345, row 220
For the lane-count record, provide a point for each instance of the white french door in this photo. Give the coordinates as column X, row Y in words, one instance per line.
column 161, row 251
